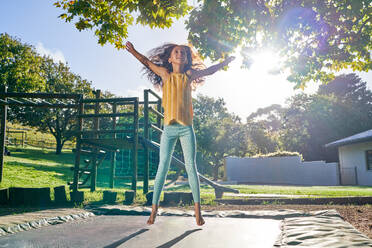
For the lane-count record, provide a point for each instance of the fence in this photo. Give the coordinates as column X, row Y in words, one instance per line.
column 281, row 170
column 44, row 144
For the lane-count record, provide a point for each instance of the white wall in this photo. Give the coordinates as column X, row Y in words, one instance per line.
column 281, row 170
column 352, row 156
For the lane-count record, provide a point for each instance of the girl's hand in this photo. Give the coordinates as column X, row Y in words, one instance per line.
column 228, row 60
column 212, row 69
column 158, row 70
column 129, row 46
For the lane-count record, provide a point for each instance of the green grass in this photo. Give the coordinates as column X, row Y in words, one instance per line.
column 33, row 136
column 311, row 191
column 324, row 191
column 33, row 167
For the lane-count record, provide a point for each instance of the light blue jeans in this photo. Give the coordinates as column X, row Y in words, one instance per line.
column 168, row 141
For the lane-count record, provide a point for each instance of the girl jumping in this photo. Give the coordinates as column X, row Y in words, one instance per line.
column 176, row 70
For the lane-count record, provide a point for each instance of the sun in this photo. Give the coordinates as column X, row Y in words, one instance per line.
column 247, row 89
column 266, row 62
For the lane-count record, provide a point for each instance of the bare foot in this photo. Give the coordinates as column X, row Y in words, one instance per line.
column 152, row 217
column 198, row 216
column 199, row 220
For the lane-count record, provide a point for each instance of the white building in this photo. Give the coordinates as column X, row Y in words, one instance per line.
column 355, row 155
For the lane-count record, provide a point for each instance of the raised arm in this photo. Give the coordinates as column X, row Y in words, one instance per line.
column 158, row 70
column 210, row 70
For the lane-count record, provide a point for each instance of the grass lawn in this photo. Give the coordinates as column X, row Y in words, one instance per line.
column 32, row 167
column 323, row 191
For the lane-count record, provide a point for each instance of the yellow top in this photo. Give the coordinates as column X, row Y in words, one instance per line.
column 177, row 101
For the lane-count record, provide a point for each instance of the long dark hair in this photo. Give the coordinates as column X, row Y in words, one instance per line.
column 160, row 56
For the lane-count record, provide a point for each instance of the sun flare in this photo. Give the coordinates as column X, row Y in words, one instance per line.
column 266, row 62
column 260, row 85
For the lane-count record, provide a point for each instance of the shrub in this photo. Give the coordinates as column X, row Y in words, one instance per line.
column 278, row 154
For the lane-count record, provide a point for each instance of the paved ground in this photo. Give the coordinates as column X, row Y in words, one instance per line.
column 125, row 226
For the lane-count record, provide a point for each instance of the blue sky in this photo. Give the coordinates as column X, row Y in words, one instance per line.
column 35, row 22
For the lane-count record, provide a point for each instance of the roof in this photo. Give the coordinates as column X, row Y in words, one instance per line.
column 356, row 138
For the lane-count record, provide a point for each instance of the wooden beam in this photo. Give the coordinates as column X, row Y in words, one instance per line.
column 40, row 95
column 111, row 100
column 106, row 115
column 135, row 146
column 153, row 93
column 156, row 128
column 78, row 148
column 113, row 154
column 95, row 136
column 156, row 112
column 146, row 135
column 4, row 109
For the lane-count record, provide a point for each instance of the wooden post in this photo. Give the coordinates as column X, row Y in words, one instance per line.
column 113, row 154
column 78, row 146
column 135, row 146
column 4, row 109
column 146, row 136
column 158, row 119
column 95, row 150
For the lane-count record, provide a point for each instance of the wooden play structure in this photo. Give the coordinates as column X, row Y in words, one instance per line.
column 96, row 142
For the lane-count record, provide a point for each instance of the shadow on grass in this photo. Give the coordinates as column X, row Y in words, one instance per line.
column 186, row 187
column 105, row 183
column 63, row 172
column 43, row 155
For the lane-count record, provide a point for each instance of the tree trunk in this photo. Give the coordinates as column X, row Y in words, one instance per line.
column 59, row 145
column 215, row 172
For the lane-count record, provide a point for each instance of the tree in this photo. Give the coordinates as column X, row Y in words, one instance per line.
column 219, row 134
column 261, row 139
column 263, row 129
column 22, row 69
column 269, row 117
column 351, row 91
column 339, row 109
column 20, row 66
column 111, row 18
column 315, row 38
column 348, row 88
column 59, row 122
column 310, row 125
column 295, row 130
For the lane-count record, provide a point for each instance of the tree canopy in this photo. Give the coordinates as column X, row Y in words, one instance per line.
column 22, row 69
column 219, row 133
column 338, row 110
column 20, row 65
column 315, row 38
column 110, row 19
column 59, row 122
